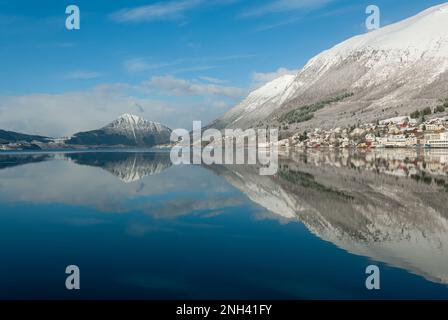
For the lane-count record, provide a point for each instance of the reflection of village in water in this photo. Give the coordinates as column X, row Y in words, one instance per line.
column 414, row 163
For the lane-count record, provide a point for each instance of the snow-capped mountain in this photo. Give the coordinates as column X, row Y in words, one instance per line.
column 258, row 104
column 127, row 130
column 131, row 126
column 394, row 70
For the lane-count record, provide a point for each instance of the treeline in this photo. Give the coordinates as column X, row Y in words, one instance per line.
column 306, row 112
column 427, row 111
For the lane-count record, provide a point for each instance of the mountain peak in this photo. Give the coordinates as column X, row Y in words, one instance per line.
column 132, row 123
column 130, row 118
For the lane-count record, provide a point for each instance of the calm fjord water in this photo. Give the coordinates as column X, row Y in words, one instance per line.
column 139, row 227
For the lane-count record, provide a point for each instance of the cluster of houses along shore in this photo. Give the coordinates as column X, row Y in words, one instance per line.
column 399, row 132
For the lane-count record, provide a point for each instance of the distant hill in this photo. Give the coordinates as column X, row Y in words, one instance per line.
column 127, row 130
column 14, row 137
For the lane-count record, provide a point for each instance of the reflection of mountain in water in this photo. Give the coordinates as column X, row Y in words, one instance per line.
column 128, row 167
column 77, row 179
column 389, row 206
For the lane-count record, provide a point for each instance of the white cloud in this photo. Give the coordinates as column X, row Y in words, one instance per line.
column 82, row 75
column 278, row 6
column 136, row 65
column 180, row 87
column 168, row 10
column 282, row 23
column 193, row 69
column 141, row 64
column 64, row 114
column 67, row 113
column 158, row 11
column 212, row 80
column 260, row 78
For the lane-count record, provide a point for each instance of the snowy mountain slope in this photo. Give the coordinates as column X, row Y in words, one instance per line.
column 128, row 130
column 258, row 104
column 394, row 70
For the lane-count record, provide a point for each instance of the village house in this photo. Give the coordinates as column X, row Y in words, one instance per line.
column 436, row 140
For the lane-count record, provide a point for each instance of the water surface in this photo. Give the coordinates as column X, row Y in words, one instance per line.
column 139, row 227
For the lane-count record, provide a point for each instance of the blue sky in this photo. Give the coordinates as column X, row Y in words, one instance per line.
column 169, row 61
